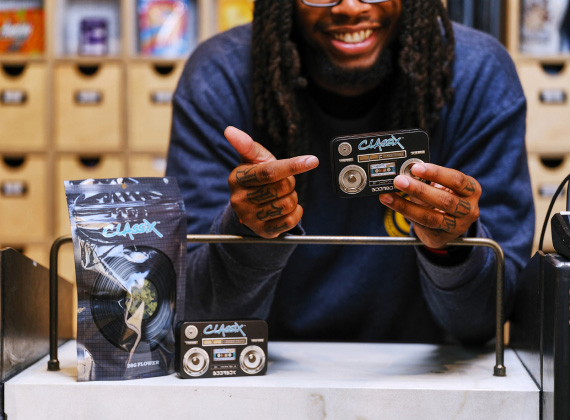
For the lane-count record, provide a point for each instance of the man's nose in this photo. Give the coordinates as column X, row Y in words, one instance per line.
column 350, row 7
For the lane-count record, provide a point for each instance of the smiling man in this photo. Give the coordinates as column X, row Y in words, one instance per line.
column 254, row 113
column 349, row 36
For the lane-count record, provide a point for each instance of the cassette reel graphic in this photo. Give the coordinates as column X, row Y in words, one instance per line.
column 133, row 302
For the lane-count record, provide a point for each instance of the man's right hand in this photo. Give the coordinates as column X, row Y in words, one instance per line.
column 262, row 188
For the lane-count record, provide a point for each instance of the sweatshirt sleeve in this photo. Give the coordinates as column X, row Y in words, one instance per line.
column 483, row 135
column 223, row 280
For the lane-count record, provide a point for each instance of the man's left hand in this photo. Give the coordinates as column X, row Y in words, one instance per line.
column 441, row 211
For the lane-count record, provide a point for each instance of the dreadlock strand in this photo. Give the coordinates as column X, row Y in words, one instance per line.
column 449, row 53
column 266, row 63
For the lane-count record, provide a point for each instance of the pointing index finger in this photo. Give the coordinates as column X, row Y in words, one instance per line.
column 249, row 150
column 270, row 172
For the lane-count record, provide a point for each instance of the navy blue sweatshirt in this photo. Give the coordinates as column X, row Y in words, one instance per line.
column 355, row 293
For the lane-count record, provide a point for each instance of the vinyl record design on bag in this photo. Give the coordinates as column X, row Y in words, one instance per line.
column 132, row 303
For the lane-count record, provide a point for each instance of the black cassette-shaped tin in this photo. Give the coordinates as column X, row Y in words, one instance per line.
column 208, row 349
column 366, row 164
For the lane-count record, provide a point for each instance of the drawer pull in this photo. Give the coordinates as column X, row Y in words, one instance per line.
column 547, row 191
column 161, row 97
column 90, row 161
column 13, row 70
column 88, row 70
column 14, row 188
column 88, row 97
column 553, row 96
column 163, row 69
column 13, row 97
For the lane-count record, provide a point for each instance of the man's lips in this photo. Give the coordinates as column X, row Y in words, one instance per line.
column 352, row 41
column 352, row 37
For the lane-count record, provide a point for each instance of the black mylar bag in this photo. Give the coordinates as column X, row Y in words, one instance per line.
column 129, row 240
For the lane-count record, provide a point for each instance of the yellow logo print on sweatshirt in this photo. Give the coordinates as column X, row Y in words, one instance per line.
column 396, row 224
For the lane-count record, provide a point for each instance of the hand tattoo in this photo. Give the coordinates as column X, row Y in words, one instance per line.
column 272, row 213
column 246, row 177
column 463, row 208
column 262, row 195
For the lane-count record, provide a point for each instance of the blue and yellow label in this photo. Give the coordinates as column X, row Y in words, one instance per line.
column 396, row 224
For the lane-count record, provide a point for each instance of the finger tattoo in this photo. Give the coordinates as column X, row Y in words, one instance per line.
column 262, row 194
column 246, row 176
column 448, row 224
column 470, row 187
column 463, row 208
column 271, row 213
column 276, row 229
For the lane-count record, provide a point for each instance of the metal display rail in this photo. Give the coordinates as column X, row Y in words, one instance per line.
column 499, row 368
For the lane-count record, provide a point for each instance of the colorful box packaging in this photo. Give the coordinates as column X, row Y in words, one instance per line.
column 545, row 27
column 22, row 31
column 165, row 28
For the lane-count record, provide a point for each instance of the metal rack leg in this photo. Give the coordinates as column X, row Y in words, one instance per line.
column 53, row 363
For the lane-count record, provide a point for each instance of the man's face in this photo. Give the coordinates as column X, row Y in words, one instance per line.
column 351, row 35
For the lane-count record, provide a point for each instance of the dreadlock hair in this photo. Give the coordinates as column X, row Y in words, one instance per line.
column 424, row 67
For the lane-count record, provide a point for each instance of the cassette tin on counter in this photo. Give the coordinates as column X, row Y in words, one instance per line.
column 221, row 348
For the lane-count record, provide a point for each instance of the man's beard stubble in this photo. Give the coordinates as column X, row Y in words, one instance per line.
column 354, row 79
column 370, row 77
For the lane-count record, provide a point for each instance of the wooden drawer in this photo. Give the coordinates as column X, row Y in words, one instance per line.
column 547, row 89
column 88, row 107
column 23, row 106
column 23, row 182
column 149, row 109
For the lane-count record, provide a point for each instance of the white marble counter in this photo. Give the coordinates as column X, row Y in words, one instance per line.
column 304, row 381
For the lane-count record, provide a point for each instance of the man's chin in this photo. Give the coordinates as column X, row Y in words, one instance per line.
column 349, row 66
column 352, row 78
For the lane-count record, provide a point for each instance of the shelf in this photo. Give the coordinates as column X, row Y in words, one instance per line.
column 157, row 60
column 546, row 58
column 21, row 58
column 88, row 60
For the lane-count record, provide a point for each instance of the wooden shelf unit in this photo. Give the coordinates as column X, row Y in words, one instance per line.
column 546, row 82
column 120, row 129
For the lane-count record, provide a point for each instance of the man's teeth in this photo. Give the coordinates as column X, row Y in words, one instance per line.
column 354, row 37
